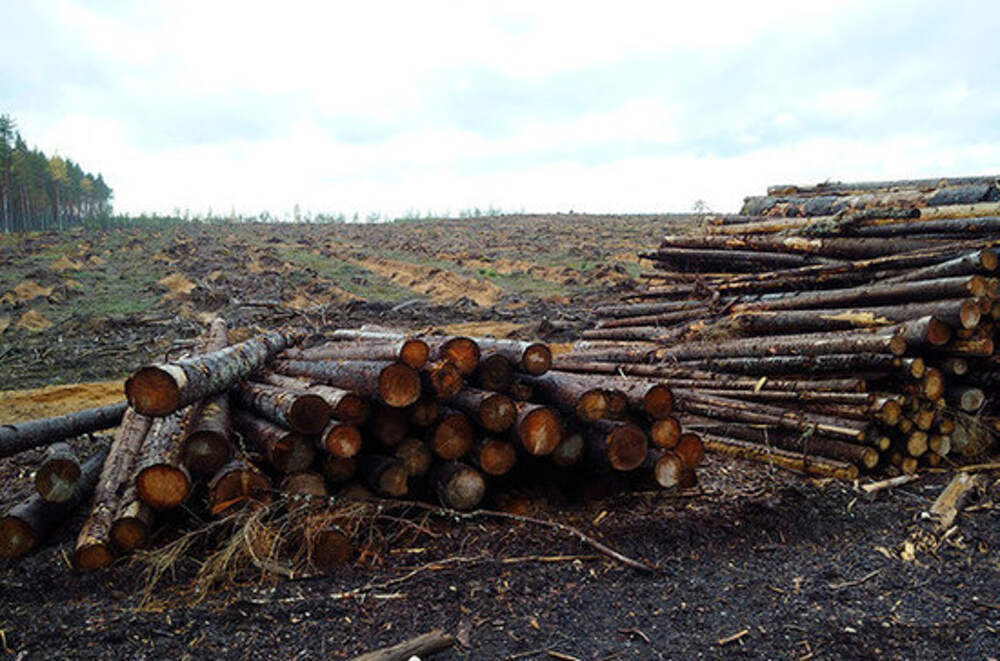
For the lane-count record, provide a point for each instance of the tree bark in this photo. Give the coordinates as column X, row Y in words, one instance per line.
column 395, row 384
column 237, row 484
column 348, row 407
column 286, row 450
column 302, row 412
column 410, row 351
column 494, row 411
column 20, row 436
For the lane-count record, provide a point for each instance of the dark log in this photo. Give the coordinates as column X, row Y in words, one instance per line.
column 620, row 445
column 458, row 486
column 302, row 412
column 26, row 525
column 732, row 260
column 286, row 450
column 338, row 470
column 620, row 311
column 967, row 398
column 409, row 351
column 962, row 313
column 395, row 384
column 836, row 247
column 421, row 646
column 532, row 358
column 988, row 226
column 304, row 483
column 453, row 435
column 828, row 187
column 662, row 319
column 570, row 450
column 785, row 365
column 493, row 456
column 494, row 411
column 977, row 262
column 19, row 436
column 425, row 412
column 163, row 388
column 238, row 484
column 209, row 446
column 329, row 544
column 55, row 479
column 580, row 395
column 389, row 426
column 387, row 476
column 538, row 428
column 798, row 462
column 415, row 455
column 495, row 372
column 348, row 407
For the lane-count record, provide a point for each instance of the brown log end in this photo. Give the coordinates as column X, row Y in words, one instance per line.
column 352, row 409
column 668, row 470
column 206, row 451
column 95, row 555
column 399, row 385
column 593, row 405
column 497, row 413
column 890, row 412
column 56, row 480
column 445, row 380
column 129, row 533
column 970, row 314
column 463, row 353
column 236, row 486
column 537, row 359
column 665, row 432
column 938, row 333
column 391, row 478
column 338, row 470
column 988, row 260
column 627, row 447
column 304, row 483
column 162, row 486
column 496, row 373
column 497, row 457
column 293, row 453
column 618, row 405
column 425, row 412
column 690, row 449
column 309, row 414
column 414, row 353
column 341, row 440
column 330, row 547
column 415, row 455
column 153, row 391
column 16, row 537
column 540, row 431
column 453, row 436
column 658, row 402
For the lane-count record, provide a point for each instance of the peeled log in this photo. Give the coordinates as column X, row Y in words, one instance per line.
column 237, row 484
column 55, row 479
column 93, row 544
column 286, row 450
column 494, row 411
column 20, row 436
column 347, row 406
column 395, row 384
column 161, row 389
column 301, row 412
column 458, row 486
column 27, row 524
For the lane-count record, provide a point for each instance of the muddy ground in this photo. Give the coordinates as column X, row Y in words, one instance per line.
column 752, row 563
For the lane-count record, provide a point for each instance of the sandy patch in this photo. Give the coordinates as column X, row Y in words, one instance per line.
column 484, row 328
column 27, row 290
column 33, row 321
column 441, row 286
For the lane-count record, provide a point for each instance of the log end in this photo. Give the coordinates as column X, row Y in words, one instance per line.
column 445, row 380
column 592, row 405
column 93, row 555
column 162, row 486
column 56, row 480
column 338, row 470
column 537, row 359
column 293, row 453
column 540, row 431
column 399, row 385
column 425, row 412
column 658, row 402
column 309, row 414
column 154, row 390
column 129, row 533
column 690, row 449
column 341, row 440
column 970, row 314
column 569, row 451
column 453, row 437
column 414, row 353
column 206, row 451
column 352, row 409
column 665, row 432
column 238, row 485
column 415, row 455
column 461, row 488
column 463, row 353
column 16, row 537
column 497, row 457
column 668, row 470
column 497, row 413
column 627, row 447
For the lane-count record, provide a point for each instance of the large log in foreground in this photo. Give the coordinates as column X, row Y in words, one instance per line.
column 20, row 436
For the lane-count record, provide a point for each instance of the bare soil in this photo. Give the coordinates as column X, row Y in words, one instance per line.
column 752, row 563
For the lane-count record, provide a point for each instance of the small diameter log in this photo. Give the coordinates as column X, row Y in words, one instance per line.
column 395, row 384
column 415, row 455
column 462, row 352
column 55, row 479
column 162, row 480
column 785, row 365
column 299, row 411
column 29, row 523
column 570, row 450
column 93, row 544
column 495, row 372
column 532, row 358
column 967, row 398
column 443, row 379
column 329, row 545
column 453, row 435
column 787, row 459
column 620, row 445
column 286, row 450
column 666, row 467
column 19, row 436
column 887, row 339
column 975, row 262
column 209, row 446
column 410, row 351
column 132, row 521
column 163, row 388
column 338, row 470
column 961, row 313
column 304, row 483
column 494, row 411
column 581, row 395
column 386, row 476
column 348, row 407
column 239, row 483
column 690, row 449
column 665, row 432
column 493, row 456
column 538, row 428
column 458, row 486
column 389, row 426
column 340, row 440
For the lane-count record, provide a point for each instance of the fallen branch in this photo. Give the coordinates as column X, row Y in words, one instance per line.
column 428, row 643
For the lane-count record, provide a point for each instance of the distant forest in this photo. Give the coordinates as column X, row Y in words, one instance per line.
column 38, row 192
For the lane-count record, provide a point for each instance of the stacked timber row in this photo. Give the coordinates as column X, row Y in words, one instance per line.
column 453, row 419
column 843, row 324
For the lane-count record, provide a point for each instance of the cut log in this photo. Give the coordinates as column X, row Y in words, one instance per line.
column 960, row 313
column 304, row 483
column 238, row 484
column 421, row 646
column 389, row 426
column 348, row 407
column 581, row 395
column 340, row 440
column 395, row 384
column 493, row 456
column 665, row 432
column 55, row 479
column 570, row 450
column 620, row 445
column 494, row 411
column 495, row 372
column 387, row 476
column 532, row 358
column 296, row 410
column 666, row 467
column 453, row 435
column 415, row 455
column 538, row 428
column 410, row 351
column 338, row 470
column 209, row 446
column 786, row 459
column 329, row 545
column 443, row 379
column 458, row 486
column 20, row 436
column 161, row 478
column 161, row 389
column 425, row 412
column 132, row 522
column 462, row 352
column 286, row 450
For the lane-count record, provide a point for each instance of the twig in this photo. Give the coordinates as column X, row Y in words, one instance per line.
column 559, row 655
column 857, row 581
column 881, row 485
column 732, row 639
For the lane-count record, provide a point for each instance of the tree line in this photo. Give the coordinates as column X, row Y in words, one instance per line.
column 38, row 192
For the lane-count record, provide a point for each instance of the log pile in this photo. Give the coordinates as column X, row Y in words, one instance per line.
column 455, row 420
column 829, row 329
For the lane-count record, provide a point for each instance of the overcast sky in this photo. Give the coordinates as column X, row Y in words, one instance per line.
column 545, row 107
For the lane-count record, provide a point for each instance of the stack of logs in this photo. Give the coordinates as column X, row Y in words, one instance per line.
column 369, row 411
column 826, row 329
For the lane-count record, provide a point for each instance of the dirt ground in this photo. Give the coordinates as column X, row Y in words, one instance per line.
column 752, row 563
